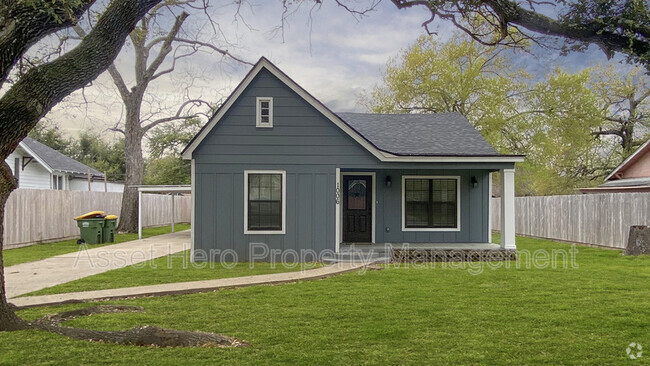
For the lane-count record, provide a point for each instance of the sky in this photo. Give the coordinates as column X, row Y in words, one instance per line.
column 332, row 54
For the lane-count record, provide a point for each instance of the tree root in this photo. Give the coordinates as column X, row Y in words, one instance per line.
column 56, row 319
column 138, row 336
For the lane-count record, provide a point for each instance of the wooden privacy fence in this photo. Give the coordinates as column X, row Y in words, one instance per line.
column 35, row 215
column 601, row 219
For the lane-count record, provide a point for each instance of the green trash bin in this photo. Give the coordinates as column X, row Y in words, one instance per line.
column 91, row 230
column 108, row 231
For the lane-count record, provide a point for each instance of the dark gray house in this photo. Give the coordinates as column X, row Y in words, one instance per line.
column 276, row 166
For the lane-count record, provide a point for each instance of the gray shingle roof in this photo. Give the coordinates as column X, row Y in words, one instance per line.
column 58, row 161
column 440, row 134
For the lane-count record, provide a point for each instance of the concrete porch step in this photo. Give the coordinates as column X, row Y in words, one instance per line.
column 366, row 257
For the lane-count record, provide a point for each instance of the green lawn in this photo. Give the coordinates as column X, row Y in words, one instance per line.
column 41, row 251
column 448, row 316
column 174, row 268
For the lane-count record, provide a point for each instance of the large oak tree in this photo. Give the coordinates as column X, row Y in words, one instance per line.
column 36, row 92
column 30, row 97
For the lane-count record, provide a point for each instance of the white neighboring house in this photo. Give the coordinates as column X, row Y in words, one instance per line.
column 38, row 166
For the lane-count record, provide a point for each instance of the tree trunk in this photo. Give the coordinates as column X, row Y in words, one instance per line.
column 35, row 93
column 8, row 319
column 134, row 163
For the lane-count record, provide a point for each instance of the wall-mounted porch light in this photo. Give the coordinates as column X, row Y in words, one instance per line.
column 389, row 181
column 474, row 182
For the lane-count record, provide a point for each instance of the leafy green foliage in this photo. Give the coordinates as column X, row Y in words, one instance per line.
column 624, row 101
column 93, row 151
column 167, row 170
column 561, row 152
column 613, row 25
column 559, row 122
column 630, row 18
column 458, row 76
column 50, row 135
column 165, row 165
column 171, row 138
column 61, row 11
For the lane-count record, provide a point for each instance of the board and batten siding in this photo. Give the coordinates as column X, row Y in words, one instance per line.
column 309, row 148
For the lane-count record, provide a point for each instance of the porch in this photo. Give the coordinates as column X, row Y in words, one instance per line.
column 381, row 210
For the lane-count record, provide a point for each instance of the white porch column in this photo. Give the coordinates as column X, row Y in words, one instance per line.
column 139, row 214
column 508, row 209
column 490, row 213
column 337, row 215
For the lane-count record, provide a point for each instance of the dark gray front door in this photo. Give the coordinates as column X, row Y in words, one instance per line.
column 357, row 208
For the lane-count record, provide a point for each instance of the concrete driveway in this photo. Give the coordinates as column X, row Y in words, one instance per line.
column 33, row 276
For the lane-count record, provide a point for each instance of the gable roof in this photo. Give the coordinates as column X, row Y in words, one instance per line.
column 55, row 161
column 440, row 134
column 630, row 160
column 372, row 139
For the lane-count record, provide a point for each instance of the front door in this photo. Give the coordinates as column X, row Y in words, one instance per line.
column 357, row 208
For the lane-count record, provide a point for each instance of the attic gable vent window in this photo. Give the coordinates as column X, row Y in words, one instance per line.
column 264, row 112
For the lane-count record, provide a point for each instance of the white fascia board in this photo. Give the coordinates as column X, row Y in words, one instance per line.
column 453, row 159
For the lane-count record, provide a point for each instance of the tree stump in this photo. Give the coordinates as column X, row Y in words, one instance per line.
column 639, row 240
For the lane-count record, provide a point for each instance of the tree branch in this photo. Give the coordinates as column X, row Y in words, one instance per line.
column 165, row 48
column 173, row 66
column 112, row 70
column 34, row 94
column 607, row 132
column 179, row 114
column 21, row 26
column 617, row 34
column 214, row 48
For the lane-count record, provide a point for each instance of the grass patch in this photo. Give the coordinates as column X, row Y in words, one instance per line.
column 169, row 269
column 445, row 316
column 41, row 251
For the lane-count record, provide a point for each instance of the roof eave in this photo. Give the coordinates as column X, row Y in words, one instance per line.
column 628, row 160
column 35, row 156
column 454, row 158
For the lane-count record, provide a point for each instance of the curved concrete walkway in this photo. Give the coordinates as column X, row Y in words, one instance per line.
column 189, row 287
column 33, row 276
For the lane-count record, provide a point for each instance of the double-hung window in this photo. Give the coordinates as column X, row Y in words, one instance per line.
column 265, row 202
column 430, row 203
column 57, row 182
column 264, row 112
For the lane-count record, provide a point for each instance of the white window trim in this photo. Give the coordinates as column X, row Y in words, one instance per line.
column 405, row 177
column 258, row 112
column 284, row 203
column 55, row 182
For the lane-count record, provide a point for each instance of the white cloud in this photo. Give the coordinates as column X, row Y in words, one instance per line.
column 334, row 57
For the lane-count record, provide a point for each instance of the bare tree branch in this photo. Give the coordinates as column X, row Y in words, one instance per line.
column 166, row 47
column 179, row 113
column 214, row 48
